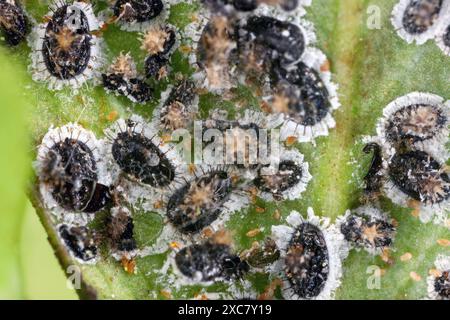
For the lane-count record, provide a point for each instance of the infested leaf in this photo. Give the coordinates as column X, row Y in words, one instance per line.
column 372, row 68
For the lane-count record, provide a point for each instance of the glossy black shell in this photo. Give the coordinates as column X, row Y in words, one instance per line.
column 411, row 171
column 284, row 41
column 188, row 219
column 139, row 157
column 307, row 261
column 68, row 60
column 308, row 96
column 71, row 167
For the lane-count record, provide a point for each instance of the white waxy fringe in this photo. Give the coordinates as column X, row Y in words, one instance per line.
column 442, row 31
column 337, row 251
column 438, row 213
column 315, row 59
column 38, row 68
column 435, row 146
column 419, row 39
column 442, row 264
column 139, row 194
column 295, row 191
column 367, row 211
column 56, row 135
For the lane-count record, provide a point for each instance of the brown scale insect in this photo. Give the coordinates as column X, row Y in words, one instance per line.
column 13, row 22
column 216, row 51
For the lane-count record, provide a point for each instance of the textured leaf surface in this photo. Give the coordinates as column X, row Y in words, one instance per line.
column 372, row 67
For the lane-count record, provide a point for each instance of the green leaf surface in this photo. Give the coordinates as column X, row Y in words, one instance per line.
column 372, row 67
column 13, row 176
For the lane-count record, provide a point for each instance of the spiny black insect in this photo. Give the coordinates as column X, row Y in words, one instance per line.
column 120, row 229
column 200, row 202
column 80, row 241
column 420, row 176
column 66, row 47
column 283, row 41
column 442, row 285
column 288, row 175
column 374, row 177
column 420, row 15
column 210, row 261
column 13, row 22
column 176, row 112
column 417, row 122
column 139, row 157
column 137, row 10
column 307, row 262
column 369, row 232
column 70, row 170
column 305, row 92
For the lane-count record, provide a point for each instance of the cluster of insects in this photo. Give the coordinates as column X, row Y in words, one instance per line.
column 421, row 20
column 269, row 47
column 410, row 155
